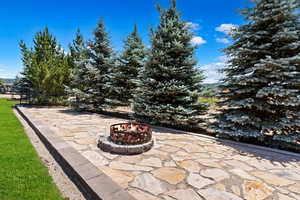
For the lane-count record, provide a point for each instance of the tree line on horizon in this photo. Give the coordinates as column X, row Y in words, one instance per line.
column 260, row 94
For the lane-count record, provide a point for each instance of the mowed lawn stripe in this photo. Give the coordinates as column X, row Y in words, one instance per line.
column 22, row 174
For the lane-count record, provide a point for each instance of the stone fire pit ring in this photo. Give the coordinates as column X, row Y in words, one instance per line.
column 105, row 144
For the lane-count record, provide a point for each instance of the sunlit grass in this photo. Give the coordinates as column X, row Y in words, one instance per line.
column 22, row 174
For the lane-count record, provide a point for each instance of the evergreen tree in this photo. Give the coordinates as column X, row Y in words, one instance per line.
column 80, row 80
column 261, row 90
column 26, row 75
column 46, row 69
column 125, row 75
column 78, row 48
column 102, row 63
column 169, row 83
column 17, row 86
column 1, row 86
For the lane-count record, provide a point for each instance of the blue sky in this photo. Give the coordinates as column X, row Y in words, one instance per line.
column 20, row 20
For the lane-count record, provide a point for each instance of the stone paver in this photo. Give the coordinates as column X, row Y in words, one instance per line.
column 121, row 177
column 170, row 174
column 149, row 183
column 295, row 188
column 272, row 178
column 215, row 173
column 129, row 167
column 236, row 190
column 189, row 165
column 179, row 166
column 241, row 173
column 284, row 197
column 138, row 194
column 184, row 194
column 95, row 158
column 214, row 194
column 152, row 162
column 256, row 190
column 198, row 181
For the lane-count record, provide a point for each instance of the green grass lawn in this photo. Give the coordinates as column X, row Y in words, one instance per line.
column 22, row 174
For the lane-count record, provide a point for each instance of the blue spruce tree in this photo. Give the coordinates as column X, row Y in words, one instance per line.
column 80, row 85
column 125, row 75
column 170, row 84
column 261, row 91
column 101, row 65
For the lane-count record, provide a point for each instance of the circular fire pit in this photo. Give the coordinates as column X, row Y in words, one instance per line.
column 127, row 138
column 130, row 133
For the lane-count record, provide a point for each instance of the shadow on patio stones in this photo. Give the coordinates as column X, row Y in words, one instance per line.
column 259, row 151
column 78, row 113
column 262, row 152
column 164, row 128
column 167, row 130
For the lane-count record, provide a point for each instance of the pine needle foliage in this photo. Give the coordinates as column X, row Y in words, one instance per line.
column 80, row 84
column 46, row 69
column 125, row 76
column 101, row 66
column 261, row 91
column 170, row 83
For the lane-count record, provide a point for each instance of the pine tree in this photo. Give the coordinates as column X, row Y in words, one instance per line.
column 1, row 86
column 78, row 48
column 102, row 63
column 125, row 75
column 261, row 90
column 170, row 84
column 80, row 84
column 25, row 80
column 46, row 69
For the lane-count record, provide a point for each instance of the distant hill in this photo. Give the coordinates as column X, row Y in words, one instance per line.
column 8, row 80
column 211, row 84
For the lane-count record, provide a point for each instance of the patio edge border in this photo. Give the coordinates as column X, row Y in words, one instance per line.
column 91, row 181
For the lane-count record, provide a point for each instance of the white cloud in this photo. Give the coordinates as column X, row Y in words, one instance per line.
column 224, row 58
column 197, row 40
column 226, row 28
column 223, row 40
column 192, row 26
column 8, row 75
column 5, row 73
column 212, row 71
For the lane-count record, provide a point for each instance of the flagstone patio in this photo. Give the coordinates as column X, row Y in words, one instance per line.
column 180, row 166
